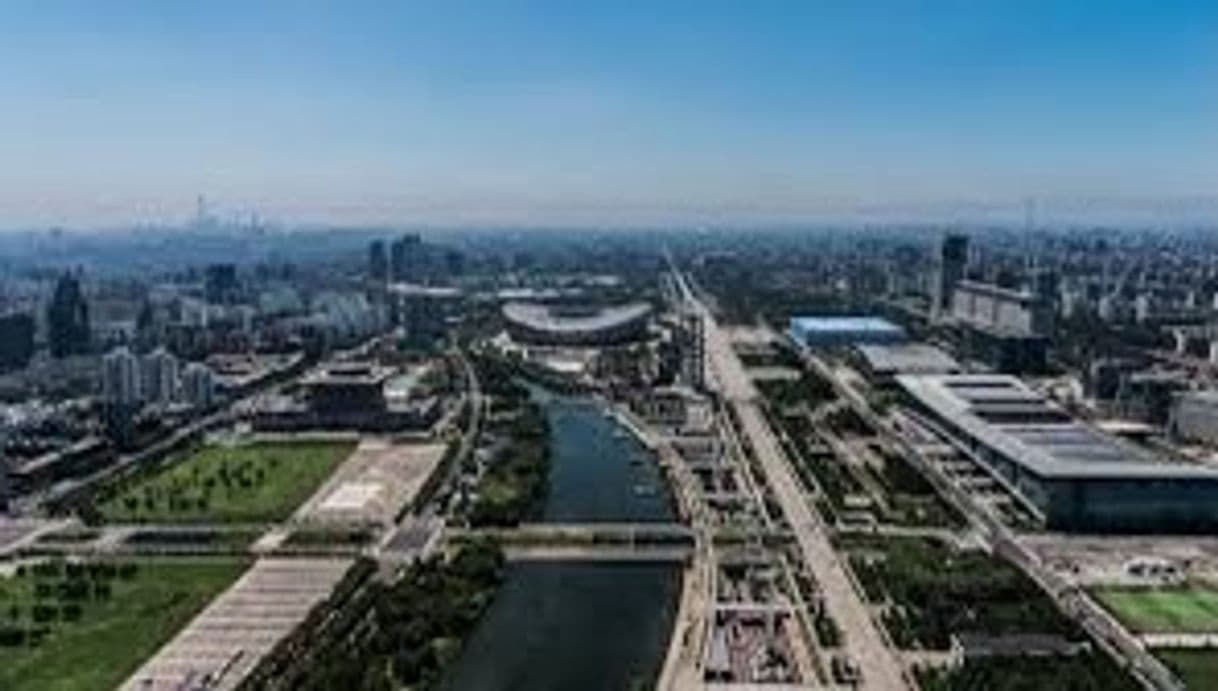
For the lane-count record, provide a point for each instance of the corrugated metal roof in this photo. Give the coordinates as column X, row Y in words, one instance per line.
column 1055, row 449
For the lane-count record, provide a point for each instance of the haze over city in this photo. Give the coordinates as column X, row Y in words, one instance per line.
column 556, row 113
column 626, row 346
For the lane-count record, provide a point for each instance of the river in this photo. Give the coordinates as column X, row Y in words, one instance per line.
column 591, row 626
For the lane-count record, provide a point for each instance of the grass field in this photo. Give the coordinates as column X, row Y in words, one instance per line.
column 1197, row 668
column 254, row 483
column 1186, row 609
column 98, row 639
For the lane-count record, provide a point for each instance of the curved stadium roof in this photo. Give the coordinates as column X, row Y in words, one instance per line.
column 542, row 318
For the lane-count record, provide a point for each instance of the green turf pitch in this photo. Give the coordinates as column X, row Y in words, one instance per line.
column 1186, row 609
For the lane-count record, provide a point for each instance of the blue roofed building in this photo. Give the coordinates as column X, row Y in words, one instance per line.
column 837, row 331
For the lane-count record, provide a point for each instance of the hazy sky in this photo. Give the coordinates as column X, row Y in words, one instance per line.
column 615, row 111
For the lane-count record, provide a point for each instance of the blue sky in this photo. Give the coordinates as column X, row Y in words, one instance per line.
column 610, row 112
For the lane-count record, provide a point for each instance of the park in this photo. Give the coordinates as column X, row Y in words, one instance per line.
column 247, row 483
column 86, row 626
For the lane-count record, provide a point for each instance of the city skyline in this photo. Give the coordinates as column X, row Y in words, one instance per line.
column 548, row 114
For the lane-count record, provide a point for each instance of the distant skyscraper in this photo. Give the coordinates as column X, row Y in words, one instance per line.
column 378, row 262
column 221, row 285
column 68, row 319
column 404, row 256
column 4, row 482
column 953, row 259
column 16, row 340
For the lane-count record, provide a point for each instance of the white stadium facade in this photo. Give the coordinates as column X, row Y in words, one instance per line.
column 540, row 324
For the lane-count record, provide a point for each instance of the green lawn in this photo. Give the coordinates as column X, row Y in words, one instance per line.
column 253, row 483
column 1186, row 609
column 107, row 635
column 1197, row 668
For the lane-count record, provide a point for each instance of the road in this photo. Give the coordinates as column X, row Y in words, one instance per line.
column 418, row 532
column 1072, row 600
column 863, row 642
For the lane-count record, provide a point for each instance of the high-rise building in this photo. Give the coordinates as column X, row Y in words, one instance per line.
column 68, row 319
column 953, row 259
column 693, row 351
column 159, row 377
column 220, row 284
column 198, row 385
column 378, row 262
column 404, row 258
column 16, row 340
column 121, row 378
column 4, row 482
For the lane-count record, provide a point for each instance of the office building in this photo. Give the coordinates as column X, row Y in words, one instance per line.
column 220, row 284
column 16, row 340
column 404, row 259
column 1003, row 310
column 423, row 312
column 68, row 331
column 953, row 260
column 378, row 263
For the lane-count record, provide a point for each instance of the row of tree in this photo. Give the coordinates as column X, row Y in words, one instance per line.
column 375, row 637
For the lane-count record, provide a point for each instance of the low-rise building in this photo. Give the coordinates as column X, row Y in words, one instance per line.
column 1194, row 417
column 1070, row 474
column 359, row 396
column 675, row 407
column 839, row 331
column 882, row 363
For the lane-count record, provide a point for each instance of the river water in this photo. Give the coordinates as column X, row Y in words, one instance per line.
column 589, row 626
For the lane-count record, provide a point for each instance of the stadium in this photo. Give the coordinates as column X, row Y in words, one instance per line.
column 539, row 324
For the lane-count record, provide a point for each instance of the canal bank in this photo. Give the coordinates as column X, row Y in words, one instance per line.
column 569, row 624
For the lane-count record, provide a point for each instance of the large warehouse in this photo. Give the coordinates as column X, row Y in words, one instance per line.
column 540, row 324
column 1076, row 477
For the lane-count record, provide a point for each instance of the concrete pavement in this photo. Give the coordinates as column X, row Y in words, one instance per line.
column 862, row 641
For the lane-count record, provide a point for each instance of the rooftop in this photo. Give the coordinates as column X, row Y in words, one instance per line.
column 545, row 318
column 1006, row 415
column 908, row 358
column 428, row 291
column 349, row 373
column 838, row 323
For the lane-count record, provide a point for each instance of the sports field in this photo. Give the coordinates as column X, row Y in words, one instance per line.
column 1197, row 668
column 251, row 483
column 1183, row 609
column 87, row 627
